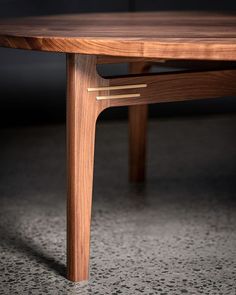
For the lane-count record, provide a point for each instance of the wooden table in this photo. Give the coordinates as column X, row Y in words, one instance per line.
column 137, row 38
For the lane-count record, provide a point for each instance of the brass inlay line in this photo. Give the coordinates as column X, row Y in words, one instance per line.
column 118, row 96
column 117, row 87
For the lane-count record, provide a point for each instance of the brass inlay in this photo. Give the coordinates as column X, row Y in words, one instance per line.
column 118, row 96
column 118, row 87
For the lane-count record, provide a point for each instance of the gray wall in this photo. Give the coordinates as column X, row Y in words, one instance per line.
column 32, row 84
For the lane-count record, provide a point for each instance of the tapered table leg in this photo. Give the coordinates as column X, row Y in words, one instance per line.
column 138, row 117
column 82, row 113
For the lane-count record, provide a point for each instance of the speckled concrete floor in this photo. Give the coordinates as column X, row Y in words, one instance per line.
column 176, row 235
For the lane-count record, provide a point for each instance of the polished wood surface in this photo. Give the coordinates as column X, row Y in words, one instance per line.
column 91, row 39
column 138, row 119
column 85, row 86
column 82, row 113
column 169, row 87
column 162, row 35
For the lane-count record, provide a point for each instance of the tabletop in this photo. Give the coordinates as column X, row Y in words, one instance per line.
column 168, row 35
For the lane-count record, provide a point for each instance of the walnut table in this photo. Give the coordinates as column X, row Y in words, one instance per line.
column 139, row 39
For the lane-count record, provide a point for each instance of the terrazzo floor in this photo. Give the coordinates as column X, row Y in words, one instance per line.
column 174, row 235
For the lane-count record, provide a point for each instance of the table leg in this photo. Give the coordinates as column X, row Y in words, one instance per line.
column 137, row 142
column 138, row 118
column 88, row 95
column 82, row 113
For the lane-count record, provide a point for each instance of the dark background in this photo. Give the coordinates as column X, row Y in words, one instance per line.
column 32, row 84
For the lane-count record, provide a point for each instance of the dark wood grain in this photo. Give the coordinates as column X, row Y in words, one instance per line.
column 170, row 87
column 90, row 39
column 168, row 35
column 138, row 117
column 82, row 113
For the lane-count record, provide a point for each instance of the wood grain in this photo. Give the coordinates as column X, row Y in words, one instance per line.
column 161, row 35
column 138, row 116
column 82, row 113
column 90, row 39
column 171, row 63
column 178, row 86
column 103, row 59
